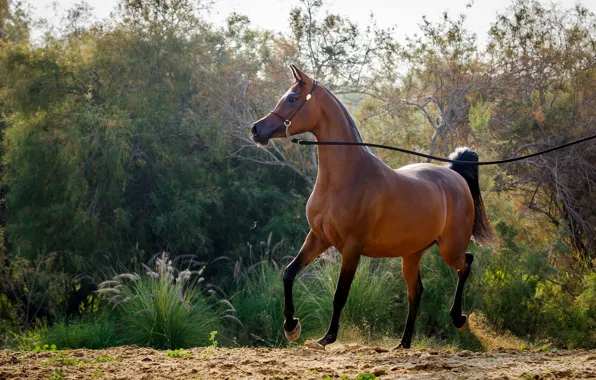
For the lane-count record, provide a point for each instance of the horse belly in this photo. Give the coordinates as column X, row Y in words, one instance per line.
column 407, row 225
column 385, row 220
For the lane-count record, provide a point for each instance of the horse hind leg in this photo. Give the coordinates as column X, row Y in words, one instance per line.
column 349, row 264
column 459, row 319
column 411, row 273
column 454, row 255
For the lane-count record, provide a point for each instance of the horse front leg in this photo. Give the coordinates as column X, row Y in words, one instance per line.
column 349, row 264
column 311, row 249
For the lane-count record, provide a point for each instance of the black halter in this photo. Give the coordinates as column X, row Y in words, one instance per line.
column 287, row 122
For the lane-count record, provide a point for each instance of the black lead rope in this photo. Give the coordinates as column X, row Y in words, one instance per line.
column 288, row 122
column 513, row 159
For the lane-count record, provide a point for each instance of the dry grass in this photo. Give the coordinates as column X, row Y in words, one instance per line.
column 489, row 338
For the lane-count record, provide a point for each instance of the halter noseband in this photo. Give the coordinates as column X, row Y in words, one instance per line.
column 287, row 122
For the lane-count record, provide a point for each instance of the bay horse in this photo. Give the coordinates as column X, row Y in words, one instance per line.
column 361, row 206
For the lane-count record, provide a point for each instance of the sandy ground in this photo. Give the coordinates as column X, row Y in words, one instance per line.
column 296, row 363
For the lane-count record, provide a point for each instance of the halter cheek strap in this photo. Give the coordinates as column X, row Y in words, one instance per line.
column 287, row 122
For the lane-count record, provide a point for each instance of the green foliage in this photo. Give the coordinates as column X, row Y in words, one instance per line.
column 57, row 374
column 26, row 340
column 479, row 116
column 511, row 283
column 163, row 309
column 180, row 353
column 156, row 316
column 365, row 376
column 522, row 294
column 372, row 309
column 567, row 320
column 100, row 161
column 14, row 22
column 92, row 333
column 37, row 287
column 212, row 335
column 45, row 348
column 509, row 287
column 123, row 140
column 259, row 305
column 59, row 357
column 440, row 281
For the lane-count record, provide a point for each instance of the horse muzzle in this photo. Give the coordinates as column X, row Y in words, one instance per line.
column 261, row 133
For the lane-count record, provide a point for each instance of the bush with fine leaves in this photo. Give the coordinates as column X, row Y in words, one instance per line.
column 163, row 309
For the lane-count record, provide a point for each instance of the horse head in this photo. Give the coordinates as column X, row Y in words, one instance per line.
column 296, row 111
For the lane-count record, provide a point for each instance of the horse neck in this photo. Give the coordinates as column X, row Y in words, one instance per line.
column 338, row 164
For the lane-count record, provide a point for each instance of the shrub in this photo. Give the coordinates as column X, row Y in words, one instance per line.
column 523, row 294
column 164, row 309
column 510, row 282
column 565, row 320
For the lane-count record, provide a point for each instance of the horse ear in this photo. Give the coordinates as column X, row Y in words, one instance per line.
column 296, row 73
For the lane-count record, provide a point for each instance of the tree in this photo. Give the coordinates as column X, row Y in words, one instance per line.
column 114, row 147
column 338, row 53
column 544, row 96
column 14, row 22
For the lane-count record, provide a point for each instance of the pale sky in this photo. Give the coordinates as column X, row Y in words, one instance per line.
column 274, row 14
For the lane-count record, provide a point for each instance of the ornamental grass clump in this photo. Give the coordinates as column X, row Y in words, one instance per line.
column 163, row 308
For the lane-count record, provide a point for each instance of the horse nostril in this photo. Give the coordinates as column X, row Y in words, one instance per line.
column 253, row 130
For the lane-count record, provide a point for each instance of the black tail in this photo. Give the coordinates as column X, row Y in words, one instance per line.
column 482, row 230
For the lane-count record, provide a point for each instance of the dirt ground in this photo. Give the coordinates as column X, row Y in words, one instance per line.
column 129, row 362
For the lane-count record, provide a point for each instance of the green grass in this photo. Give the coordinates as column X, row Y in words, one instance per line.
column 259, row 305
column 57, row 375
column 93, row 333
column 434, row 325
column 166, row 311
column 45, row 348
column 180, row 353
column 360, row 376
column 163, row 308
column 365, row 376
column 373, row 308
column 165, row 315
column 105, row 359
column 376, row 308
column 58, row 357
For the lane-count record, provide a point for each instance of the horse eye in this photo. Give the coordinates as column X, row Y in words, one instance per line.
column 291, row 99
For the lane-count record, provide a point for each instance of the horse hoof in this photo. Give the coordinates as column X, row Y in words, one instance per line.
column 314, row 345
column 463, row 323
column 294, row 334
column 400, row 346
